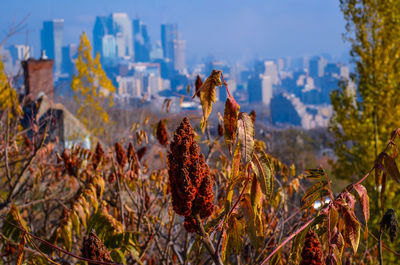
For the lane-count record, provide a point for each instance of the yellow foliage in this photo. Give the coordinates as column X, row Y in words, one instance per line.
column 92, row 89
column 8, row 95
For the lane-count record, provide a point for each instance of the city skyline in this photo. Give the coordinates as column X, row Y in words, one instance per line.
column 255, row 30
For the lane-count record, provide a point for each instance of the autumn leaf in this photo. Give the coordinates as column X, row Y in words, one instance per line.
column 20, row 253
column 392, row 169
column 297, row 246
column 352, row 228
column 207, row 95
column 198, row 84
column 246, row 136
column 337, row 244
column 233, row 176
column 364, row 200
column 261, row 166
column 231, row 113
column 254, row 226
column 233, row 239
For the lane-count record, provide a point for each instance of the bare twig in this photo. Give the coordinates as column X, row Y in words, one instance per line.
column 207, row 242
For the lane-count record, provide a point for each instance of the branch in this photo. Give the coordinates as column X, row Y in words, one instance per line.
column 207, row 242
column 287, row 240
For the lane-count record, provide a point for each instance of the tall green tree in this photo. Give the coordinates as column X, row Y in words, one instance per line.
column 363, row 121
column 93, row 90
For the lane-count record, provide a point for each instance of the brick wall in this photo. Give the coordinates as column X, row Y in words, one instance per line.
column 38, row 75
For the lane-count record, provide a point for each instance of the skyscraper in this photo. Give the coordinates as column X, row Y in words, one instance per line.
column 179, row 55
column 100, row 29
column 112, row 37
column 122, row 29
column 260, row 89
column 69, row 53
column 51, row 36
column 169, row 33
column 142, row 45
column 20, row 52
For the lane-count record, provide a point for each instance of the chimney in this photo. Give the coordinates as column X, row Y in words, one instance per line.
column 38, row 78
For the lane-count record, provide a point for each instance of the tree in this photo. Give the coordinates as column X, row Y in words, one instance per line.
column 363, row 121
column 8, row 95
column 92, row 89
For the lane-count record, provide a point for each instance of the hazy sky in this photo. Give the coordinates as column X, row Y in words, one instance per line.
column 221, row 28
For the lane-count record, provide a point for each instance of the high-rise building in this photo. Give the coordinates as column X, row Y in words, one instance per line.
column 260, row 89
column 267, row 68
column 142, row 44
column 101, row 28
column 129, row 86
column 169, row 33
column 121, row 27
column 20, row 52
column 179, row 55
column 112, row 38
column 69, row 53
column 108, row 50
column 156, row 51
column 51, row 36
column 317, row 66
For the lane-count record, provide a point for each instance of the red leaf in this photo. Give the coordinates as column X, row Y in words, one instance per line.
column 352, row 229
column 231, row 114
column 391, row 168
column 364, row 200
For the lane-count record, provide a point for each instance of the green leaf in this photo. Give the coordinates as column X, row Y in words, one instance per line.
column 261, row 166
column 316, row 173
column 118, row 256
column 254, row 225
column 13, row 220
column 297, row 246
column 246, row 136
column 235, row 233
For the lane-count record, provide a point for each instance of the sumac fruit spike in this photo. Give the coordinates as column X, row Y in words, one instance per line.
column 94, row 249
column 141, row 152
column 162, row 133
column 189, row 177
column 98, row 155
column 389, row 223
column 312, row 253
column 132, row 158
column 121, row 154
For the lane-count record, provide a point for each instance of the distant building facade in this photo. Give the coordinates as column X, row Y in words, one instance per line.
column 113, row 38
column 142, row 44
column 179, row 55
column 20, row 52
column 260, row 89
column 169, row 34
column 52, row 37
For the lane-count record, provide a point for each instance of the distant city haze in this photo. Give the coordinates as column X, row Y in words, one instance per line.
column 224, row 29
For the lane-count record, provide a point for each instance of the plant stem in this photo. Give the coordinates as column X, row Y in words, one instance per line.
column 380, row 247
column 207, row 242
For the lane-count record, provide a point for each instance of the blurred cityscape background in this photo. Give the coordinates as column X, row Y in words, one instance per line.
column 281, row 59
